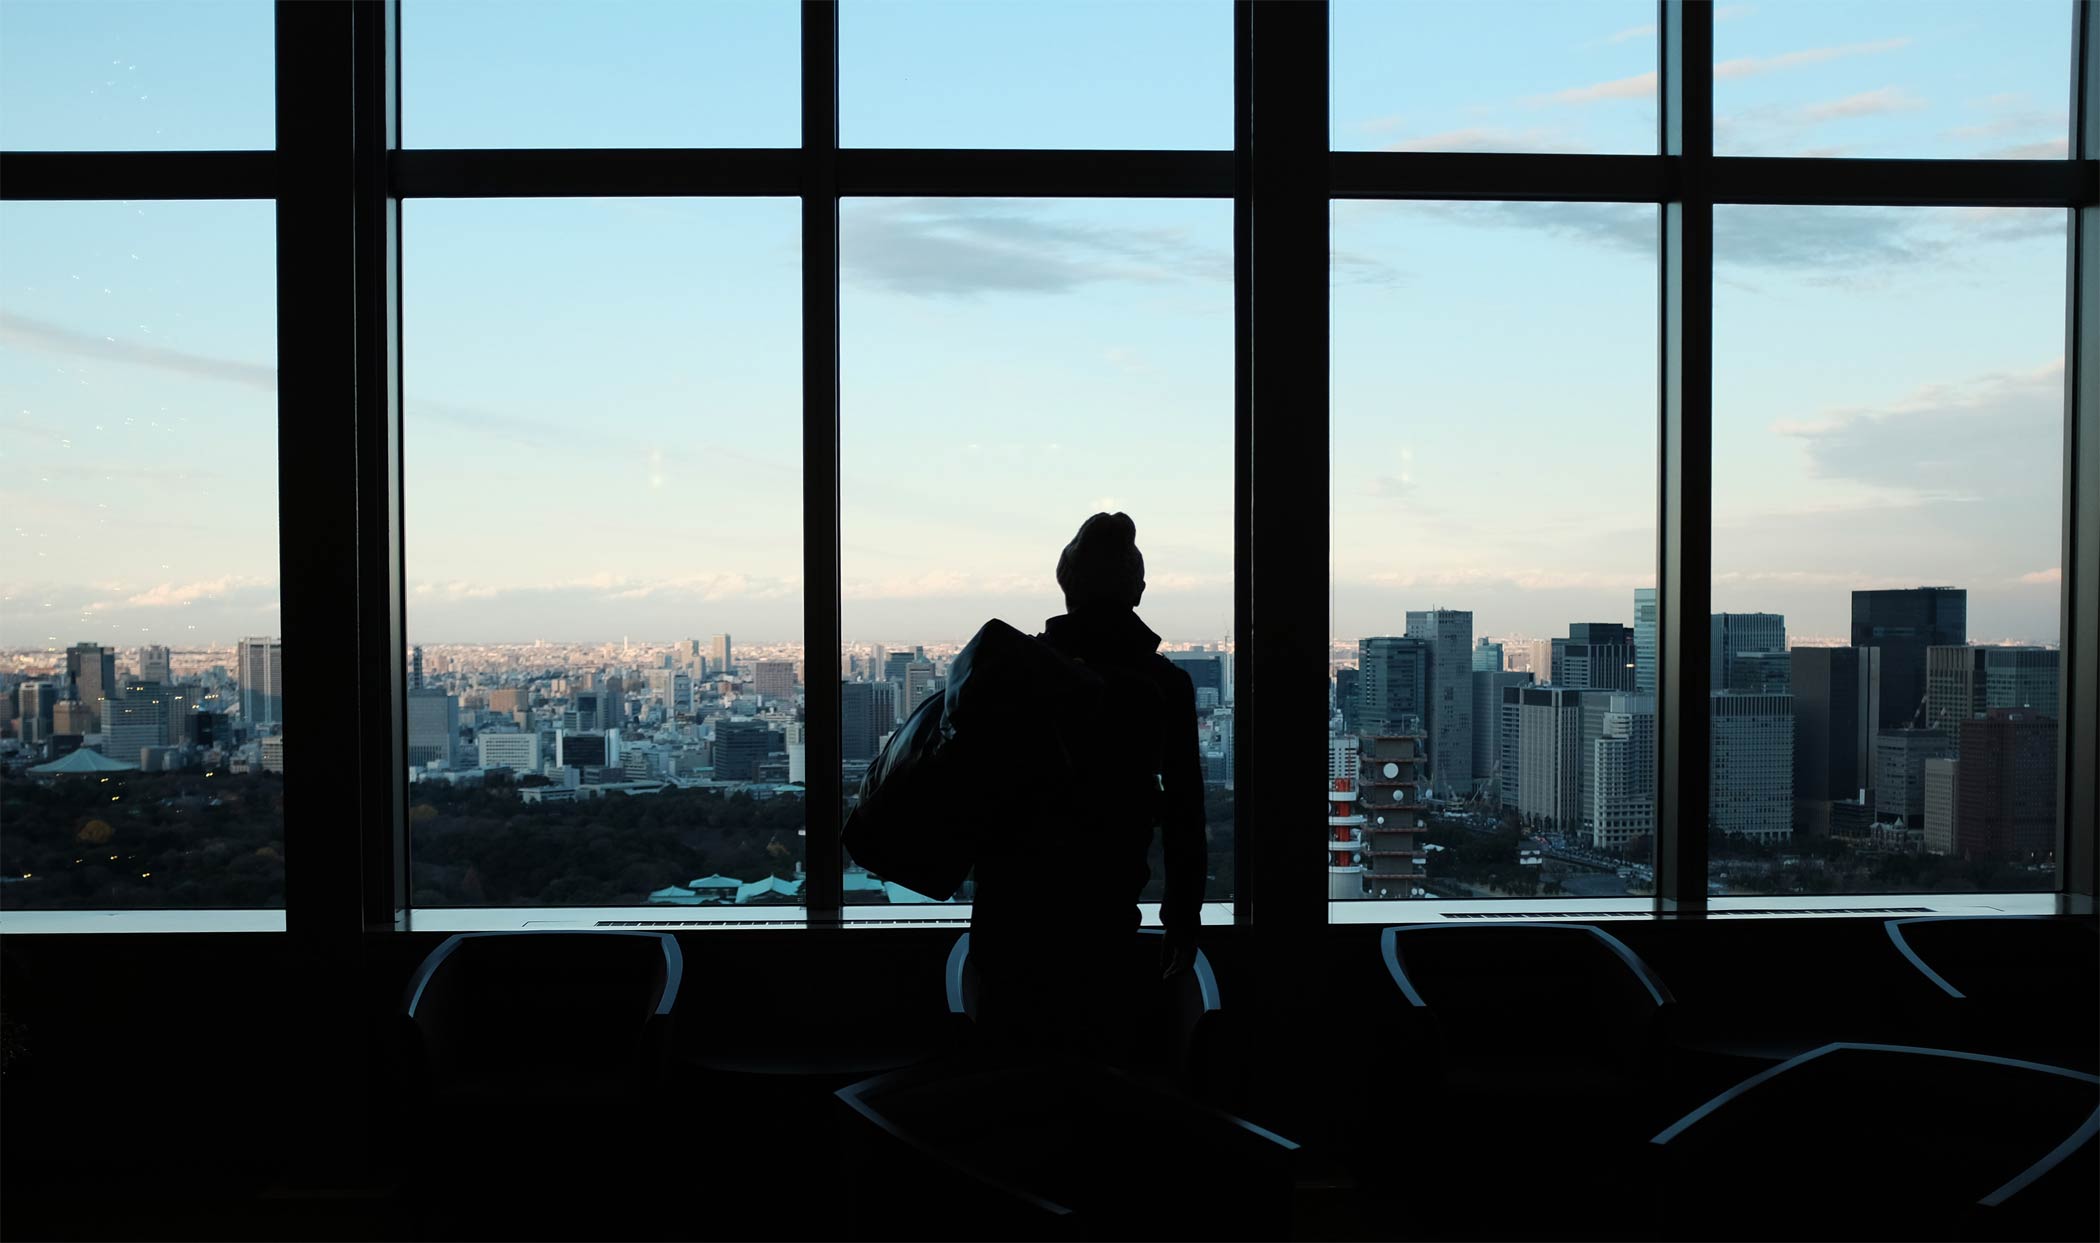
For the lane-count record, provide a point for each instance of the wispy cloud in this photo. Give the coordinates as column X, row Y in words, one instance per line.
column 1489, row 138
column 2049, row 577
column 1757, row 66
column 1639, row 86
column 1886, row 100
column 962, row 249
column 32, row 333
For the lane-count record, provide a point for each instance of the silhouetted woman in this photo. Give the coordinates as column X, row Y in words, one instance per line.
column 1058, row 878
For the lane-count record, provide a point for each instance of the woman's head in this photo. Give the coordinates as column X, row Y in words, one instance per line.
column 1102, row 567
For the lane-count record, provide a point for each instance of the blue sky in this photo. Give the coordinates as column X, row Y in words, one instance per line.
column 603, row 395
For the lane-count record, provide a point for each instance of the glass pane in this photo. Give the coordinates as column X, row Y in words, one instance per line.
column 1888, row 432
column 1124, row 74
column 1937, row 78
column 603, row 551
column 1532, row 75
column 142, row 757
column 600, row 73
column 1009, row 368
column 137, row 75
column 1494, row 545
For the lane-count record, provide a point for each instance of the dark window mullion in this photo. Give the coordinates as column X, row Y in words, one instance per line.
column 1685, row 517
column 823, row 864
column 2078, row 801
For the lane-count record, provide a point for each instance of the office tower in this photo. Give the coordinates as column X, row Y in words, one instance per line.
column 183, row 708
column 1899, row 770
column 259, row 666
column 1964, row 682
column 2022, row 677
column 154, row 662
column 613, row 701
column 1532, row 656
column 134, row 719
column 519, row 752
column 574, row 750
column 796, row 736
column 720, row 658
column 1594, row 656
column 1389, row 785
column 1645, row 618
column 72, row 719
column 1487, row 656
column 868, row 711
column 1751, row 766
column 1487, row 717
column 1903, row 624
column 895, row 663
column 272, row 749
column 91, row 677
column 1345, row 698
column 740, row 747
column 1549, row 749
column 775, row 679
column 1449, row 718
column 919, row 683
column 510, row 699
column 2005, row 786
column 1510, row 744
column 433, row 727
column 34, row 701
column 1942, row 808
column 1736, row 635
column 1345, row 821
column 1392, row 685
column 1205, row 668
column 415, row 668
column 1622, row 793
column 1836, row 704
column 589, row 712
column 878, row 660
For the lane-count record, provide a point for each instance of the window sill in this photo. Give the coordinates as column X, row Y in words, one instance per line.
column 1837, row 906
column 70, row 922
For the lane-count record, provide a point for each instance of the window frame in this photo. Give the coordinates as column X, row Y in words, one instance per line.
column 338, row 177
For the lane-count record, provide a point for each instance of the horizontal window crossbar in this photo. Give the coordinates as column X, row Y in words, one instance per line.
column 593, row 173
column 90, row 175
column 1483, row 175
column 1036, row 174
column 1907, row 183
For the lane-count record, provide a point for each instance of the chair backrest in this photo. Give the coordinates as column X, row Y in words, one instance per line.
column 1497, row 988
column 546, row 1006
column 2021, row 959
column 1888, row 1137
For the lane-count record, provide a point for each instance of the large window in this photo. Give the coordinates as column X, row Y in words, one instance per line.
column 144, row 763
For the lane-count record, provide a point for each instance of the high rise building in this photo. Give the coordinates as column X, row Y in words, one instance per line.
column 1646, row 616
column 1739, row 635
column 1622, row 793
column 1964, row 682
column 1549, row 746
column 34, row 701
column 1345, row 821
column 720, row 657
column 415, row 668
column 1392, row 685
column 1836, row 704
column 1449, row 718
column 134, row 719
column 1487, row 718
column 1903, row 623
column 154, row 662
column 510, row 699
column 1751, row 766
column 433, row 727
column 519, row 752
column 868, row 712
column 579, row 751
column 1942, row 810
column 796, row 736
column 1487, row 656
column 740, row 747
column 920, row 682
column 590, row 712
column 775, row 679
column 895, row 663
column 2005, row 786
column 1346, row 699
column 1204, row 667
column 1899, row 771
column 1532, row 656
column 91, row 677
column 1389, row 789
column 1509, row 735
column 71, row 718
column 1595, row 656
column 260, row 669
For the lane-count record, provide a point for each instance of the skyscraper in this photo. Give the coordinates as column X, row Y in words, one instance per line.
column 1509, row 744
column 919, row 683
column 1392, row 685
column 415, row 668
column 1449, row 718
column 133, row 719
column 433, row 727
column 776, row 679
column 154, row 664
column 1205, row 668
column 91, row 677
column 1836, row 703
column 1899, row 771
column 259, row 664
column 1595, row 656
column 1645, row 615
column 1487, row 657
column 1964, row 682
column 1903, row 623
column 2005, row 786
column 1487, row 716
column 1549, row 745
column 1751, row 766
column 1942, row 815
column 740, row 747
column 719, row 655
column 868, row 711
column 1346, row 700
column 1738, row 639
column 1622, row 793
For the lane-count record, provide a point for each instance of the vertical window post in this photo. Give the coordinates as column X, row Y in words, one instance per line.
column 1685, row 522
column 2078, row 802
column 823, row 866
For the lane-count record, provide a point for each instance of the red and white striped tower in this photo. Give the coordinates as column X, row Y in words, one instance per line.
column 1345, row 841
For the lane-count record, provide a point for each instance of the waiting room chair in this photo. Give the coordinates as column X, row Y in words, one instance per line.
column 2015, row 985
